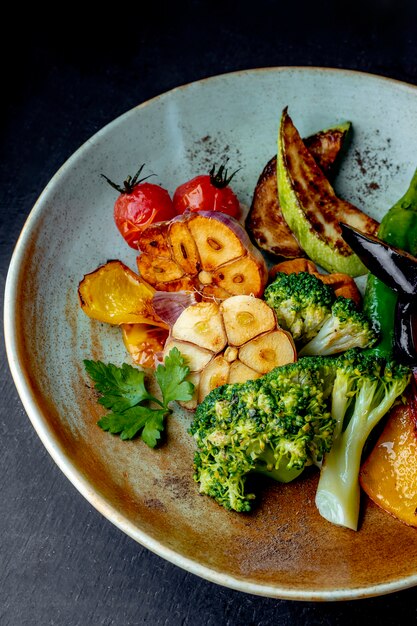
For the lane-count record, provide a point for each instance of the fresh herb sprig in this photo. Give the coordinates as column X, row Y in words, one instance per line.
column 122, row 390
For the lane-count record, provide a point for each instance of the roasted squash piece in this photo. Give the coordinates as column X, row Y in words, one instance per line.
column 342, row 284
column 389, row 474
column 293, row 266
column 265, row 221
column 115, row 295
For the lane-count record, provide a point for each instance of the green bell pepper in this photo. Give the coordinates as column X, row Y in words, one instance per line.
column 398, row 228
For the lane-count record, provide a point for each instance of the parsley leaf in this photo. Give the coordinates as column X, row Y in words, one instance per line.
column 131, row 421
column 123, row 392
column 121, row 387
column 171, row 378
column 153, row 428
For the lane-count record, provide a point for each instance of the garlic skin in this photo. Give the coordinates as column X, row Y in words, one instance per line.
column 169, row 305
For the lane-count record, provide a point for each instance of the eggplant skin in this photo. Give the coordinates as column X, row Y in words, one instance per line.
column 265, row 222
column 326, row 146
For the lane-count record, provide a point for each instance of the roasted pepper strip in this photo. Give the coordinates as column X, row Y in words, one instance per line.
column 398, row 228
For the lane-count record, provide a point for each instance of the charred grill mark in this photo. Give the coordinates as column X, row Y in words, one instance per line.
column 265, row 222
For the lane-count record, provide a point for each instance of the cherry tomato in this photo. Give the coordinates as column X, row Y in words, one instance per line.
column 138, row 205
column 208, row 192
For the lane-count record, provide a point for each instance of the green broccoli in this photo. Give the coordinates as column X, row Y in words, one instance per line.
column 365, row 388
column 294, row 416
column 276, row 424
column 344, row 329
column 302, row 303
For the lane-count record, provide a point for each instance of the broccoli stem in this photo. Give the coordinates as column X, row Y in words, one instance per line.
column 338, row 491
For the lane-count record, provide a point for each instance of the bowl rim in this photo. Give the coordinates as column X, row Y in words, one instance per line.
column 39, row 419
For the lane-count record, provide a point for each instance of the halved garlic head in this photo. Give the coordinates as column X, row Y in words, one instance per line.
column 235, row 341
column 206, row 251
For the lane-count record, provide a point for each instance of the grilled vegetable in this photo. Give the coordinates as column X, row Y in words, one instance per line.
column 208, row 192
column 115, row 295
column 342, row 284
column 276, row 425
column 206, row 251
column 389, row 474
column 405, row 332
column 302, row 303
column 265, row 221
column 398, row 228
column 398, row 271
column 396, row 268
column 364, row 390
column 311, row 208
column 138, row 205
column 345, row 328
column 145, row 343
column 235, row 341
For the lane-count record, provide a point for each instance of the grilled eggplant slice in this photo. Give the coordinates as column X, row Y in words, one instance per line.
column 311, row 208
column 265, row 221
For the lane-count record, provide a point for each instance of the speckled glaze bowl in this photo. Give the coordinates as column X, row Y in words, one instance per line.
column 283, row 549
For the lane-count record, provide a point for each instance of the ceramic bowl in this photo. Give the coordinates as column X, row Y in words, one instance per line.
column 284, row 549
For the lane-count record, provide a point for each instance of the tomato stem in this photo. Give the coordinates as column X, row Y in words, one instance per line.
column 220, row 179
column 130, row 182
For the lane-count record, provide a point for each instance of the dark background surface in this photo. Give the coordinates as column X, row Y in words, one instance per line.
column 63, row 79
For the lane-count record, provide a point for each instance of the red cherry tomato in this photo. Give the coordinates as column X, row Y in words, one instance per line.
column 208, row 192
column 139, row 205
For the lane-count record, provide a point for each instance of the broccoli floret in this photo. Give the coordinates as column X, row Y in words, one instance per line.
column 278, row 423
column 364, row 390
column 346, row 328
column 302, row 303
column 266, row 464
column 293, row 417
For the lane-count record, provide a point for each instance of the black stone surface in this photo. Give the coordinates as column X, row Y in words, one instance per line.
column 64, row 76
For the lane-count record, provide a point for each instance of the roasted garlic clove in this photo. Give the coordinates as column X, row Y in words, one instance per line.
column 246, row 317
column 268, row 351
column 201, row 324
